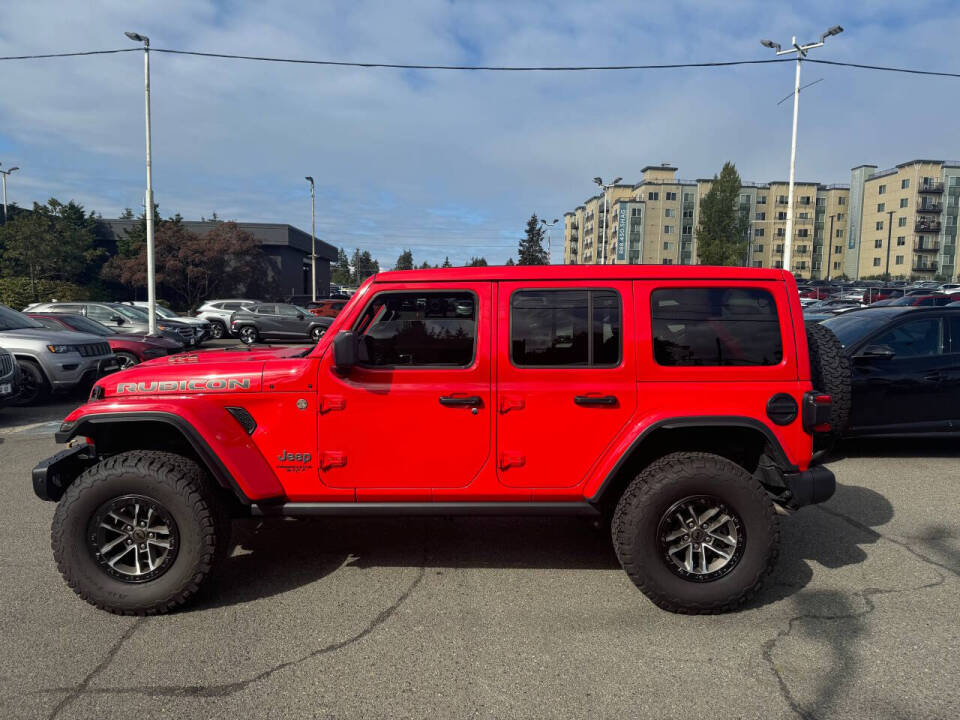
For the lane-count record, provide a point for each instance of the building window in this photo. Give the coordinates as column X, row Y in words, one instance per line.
column 778, row 248
column 901, row 240
column 902, row 222
column 556, row 328
column 836, row 266
column 779, row 232
column 761, row 199
column 688, row 229
column 904, row 184
column 758, row 248
column 671, row 196
column 879, row 224
column 688, row 214
column 841, row 201
column 744, row 199
column 838, row 233
column 635, row 212
column 805, row 200
column 758, row 263
column 781, row 216
column 878, row 243
column 803, row 232
column 667, row 261
column 688, row 197
column 881, row 190
column 803, row 215
column 904, row 202
column 838, row 249
column 839, row 217
column 876, row 262
column 761, row 216
column 653, row 196
column 667, row 245
column 898, row 260
column 881, row 207
column 667, row 229
column 696, row 327
column 669, row 212
column 758, row 232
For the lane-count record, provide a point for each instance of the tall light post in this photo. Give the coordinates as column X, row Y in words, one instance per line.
column 148, row 208
column 549, row 227
column 606, row 210
column 3, row 175
column 313, row 240
column 801, row 51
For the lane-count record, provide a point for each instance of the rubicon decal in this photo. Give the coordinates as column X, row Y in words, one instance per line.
column 196, row 385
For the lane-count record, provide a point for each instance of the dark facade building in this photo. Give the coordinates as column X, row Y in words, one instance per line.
column 287, row 247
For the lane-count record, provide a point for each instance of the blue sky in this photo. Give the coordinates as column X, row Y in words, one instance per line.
column 452, row 163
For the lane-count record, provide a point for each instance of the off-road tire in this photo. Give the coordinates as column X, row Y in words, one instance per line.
column 654, row 491
column 34, row 387
column 183, row 489
column 830, row 373
column 217, row 330
column 249, row 335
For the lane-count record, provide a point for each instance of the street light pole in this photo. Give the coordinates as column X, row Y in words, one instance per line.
column 606, row 212
column 148, row 209
column 3, row 175
column 549, row 227
column 801, row 51
column 886, row 270
column 829, row 245
column 313, row 240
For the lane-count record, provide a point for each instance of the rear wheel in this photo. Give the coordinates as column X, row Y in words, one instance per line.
column 126, row 359
column 249, row 335
column 317, row 332
column 34, row 387
column 217, row 329
column 696, row 533
column 139, row 533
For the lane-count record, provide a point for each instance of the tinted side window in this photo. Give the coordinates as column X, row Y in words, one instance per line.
column 715, row 326
column 565, row 328
column 287, row 310
column 267, row 309
column 914, row 338
column 100, row 313
column 410, row 329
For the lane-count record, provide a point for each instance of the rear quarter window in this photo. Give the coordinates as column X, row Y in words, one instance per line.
column 715, row 326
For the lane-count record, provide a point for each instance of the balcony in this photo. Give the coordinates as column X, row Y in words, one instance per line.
column 928, row 268
column 933, row 187
column 927, row 226
column 930, row 207
column 925, row 245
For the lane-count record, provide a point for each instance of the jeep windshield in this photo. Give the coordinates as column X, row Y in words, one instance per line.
column 12, row 320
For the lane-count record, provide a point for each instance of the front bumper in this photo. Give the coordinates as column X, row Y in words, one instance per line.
column 67, row 373
column 810, row 487
column 13, row 382
column 52, row 476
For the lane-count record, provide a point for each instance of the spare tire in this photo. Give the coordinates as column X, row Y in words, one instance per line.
column 830, row 373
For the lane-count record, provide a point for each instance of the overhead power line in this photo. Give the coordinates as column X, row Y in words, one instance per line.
column 70, row 54
column 885, row 68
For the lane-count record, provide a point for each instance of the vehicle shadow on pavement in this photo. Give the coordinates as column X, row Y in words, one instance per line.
column 895, row 447
column 276, row 555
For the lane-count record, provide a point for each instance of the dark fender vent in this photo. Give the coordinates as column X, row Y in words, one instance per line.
column 242, row 416
column 782, row 409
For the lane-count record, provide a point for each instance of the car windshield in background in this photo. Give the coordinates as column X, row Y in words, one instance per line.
column 84, row 324
column 129, row 312
column 163, row 312
column 852, row 327
column 12, row 320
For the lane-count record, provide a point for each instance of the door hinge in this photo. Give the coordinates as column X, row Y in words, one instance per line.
column 509, row 460
column 332, row 402
column 332, row 459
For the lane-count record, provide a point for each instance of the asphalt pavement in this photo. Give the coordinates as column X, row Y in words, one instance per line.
column 501, row 618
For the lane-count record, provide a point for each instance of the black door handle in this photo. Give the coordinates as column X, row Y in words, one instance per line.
column 589, row 400
column 467, row 401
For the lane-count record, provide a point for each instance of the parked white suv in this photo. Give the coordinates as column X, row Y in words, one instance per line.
column 218, row 312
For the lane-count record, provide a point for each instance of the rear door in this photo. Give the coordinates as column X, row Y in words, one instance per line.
column 291, row 322
column 566, row 378
column 267, row 320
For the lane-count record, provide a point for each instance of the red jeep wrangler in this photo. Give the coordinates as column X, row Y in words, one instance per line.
column 674, row 402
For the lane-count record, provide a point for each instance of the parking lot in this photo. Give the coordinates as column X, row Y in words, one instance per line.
column 501, row 617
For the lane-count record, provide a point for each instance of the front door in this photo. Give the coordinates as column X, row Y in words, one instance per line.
column 293, row 323
column 566, row 379
column 416, row 413
column 905, row 391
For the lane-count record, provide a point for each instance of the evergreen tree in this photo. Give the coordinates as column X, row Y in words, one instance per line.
column 340, row 272
column 426, row 266
column 363, row 266
column 722, row 231
column 477, row 262
column 446, row 262
column 510, row 261
column 405, row 261
column 530, row 251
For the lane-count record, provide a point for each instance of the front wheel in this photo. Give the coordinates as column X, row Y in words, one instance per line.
column 33, row 384
column 696, row 533
column 249, row 335
column 126, row 360
column 217, row 330
column 138, row 533
column 317, row 332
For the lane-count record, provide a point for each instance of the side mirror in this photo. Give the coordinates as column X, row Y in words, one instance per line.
column 345, row 351
column 118, row 319
column 877, row 351
column 299, row 316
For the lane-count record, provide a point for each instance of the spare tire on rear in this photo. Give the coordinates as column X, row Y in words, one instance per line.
column 830, row 373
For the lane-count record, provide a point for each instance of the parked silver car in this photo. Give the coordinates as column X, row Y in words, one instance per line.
column 218, row 312
column 121, row 318
column 202, row 327
column 51, row 360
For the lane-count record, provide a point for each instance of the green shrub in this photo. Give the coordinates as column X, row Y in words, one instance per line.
column 16, row 292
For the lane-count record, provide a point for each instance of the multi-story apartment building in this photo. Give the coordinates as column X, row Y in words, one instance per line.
column 655, row 221
column 906, row 220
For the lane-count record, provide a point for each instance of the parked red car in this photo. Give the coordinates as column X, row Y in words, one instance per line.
column 326, row 308
column 931, row 300
column 129, row 349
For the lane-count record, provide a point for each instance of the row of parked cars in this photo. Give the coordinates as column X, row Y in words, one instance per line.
column 58, row 346
column 903, row 346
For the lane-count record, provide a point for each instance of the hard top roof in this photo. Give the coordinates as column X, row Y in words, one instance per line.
column 581, row 272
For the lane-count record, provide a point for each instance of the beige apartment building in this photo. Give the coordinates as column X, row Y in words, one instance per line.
column 654, row 222
column 907, row 224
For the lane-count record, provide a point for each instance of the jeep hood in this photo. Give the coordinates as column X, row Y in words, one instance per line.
column 209, row 371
